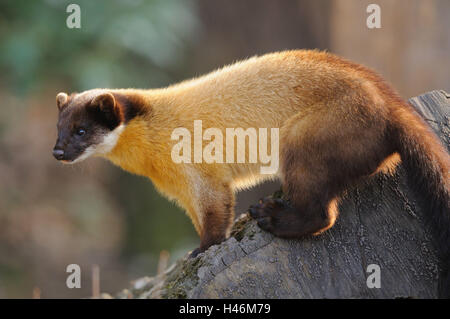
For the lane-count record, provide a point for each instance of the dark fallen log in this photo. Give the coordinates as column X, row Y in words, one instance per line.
column 380, row 223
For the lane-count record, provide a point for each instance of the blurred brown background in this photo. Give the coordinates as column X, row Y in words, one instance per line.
column 93, row 213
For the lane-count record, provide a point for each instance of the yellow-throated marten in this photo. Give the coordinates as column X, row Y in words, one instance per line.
column 338, row 122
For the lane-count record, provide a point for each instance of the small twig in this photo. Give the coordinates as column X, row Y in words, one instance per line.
column 36, row 293
column 163, row 261
column 95, row 281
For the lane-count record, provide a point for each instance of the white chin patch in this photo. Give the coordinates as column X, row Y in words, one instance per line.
column 109, row 141
column 87, row 152
column 103, row 148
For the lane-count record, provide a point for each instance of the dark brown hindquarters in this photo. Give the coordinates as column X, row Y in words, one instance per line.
column 322, row 154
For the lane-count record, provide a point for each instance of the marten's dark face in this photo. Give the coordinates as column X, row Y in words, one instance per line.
column 89, row 124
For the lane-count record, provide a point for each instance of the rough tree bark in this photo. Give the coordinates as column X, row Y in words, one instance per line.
column 380, row 223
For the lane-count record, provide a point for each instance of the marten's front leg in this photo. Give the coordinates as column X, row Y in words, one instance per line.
column 215, row 215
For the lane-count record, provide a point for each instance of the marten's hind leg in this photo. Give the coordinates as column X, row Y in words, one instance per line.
column 319, row 160
column 308, row 211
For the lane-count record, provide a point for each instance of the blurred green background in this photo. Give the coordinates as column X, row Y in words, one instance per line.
column 93, row 213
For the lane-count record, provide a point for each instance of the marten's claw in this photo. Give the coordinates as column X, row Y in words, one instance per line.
column 262, row 215
column 276, row 216
column 267, row 207
column 263, row 212
column 265, row 223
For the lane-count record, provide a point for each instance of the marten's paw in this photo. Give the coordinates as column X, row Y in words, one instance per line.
column 280, row 218
column 195, row 252
column 274, row 215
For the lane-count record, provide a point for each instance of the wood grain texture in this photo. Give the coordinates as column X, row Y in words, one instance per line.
column 380, row 223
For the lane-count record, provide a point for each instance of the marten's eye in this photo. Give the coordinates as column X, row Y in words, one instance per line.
column 81, row 131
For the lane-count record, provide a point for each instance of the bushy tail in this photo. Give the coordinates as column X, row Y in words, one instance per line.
column 428, row 164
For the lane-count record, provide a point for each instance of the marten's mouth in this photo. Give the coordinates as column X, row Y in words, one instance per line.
column 66, row 157
column 77, row 159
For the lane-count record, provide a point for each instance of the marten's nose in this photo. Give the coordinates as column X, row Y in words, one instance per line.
column 58, row 154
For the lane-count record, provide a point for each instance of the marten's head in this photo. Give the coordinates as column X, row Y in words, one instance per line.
column 89, row 123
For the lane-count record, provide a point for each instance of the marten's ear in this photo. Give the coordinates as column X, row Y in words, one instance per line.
column 106, row 106
column 61, row 100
